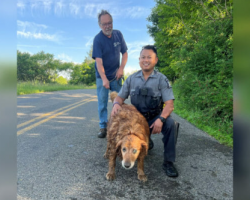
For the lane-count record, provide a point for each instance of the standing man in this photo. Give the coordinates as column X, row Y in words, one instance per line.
column 148, row 89
column 107, row 46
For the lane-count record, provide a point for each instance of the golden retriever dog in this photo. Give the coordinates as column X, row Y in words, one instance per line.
column 127, row 137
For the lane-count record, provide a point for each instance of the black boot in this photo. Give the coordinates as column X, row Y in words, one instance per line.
column 151, row 144
column 102, row 133
column 169, row 169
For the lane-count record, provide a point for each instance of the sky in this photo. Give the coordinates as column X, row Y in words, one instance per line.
column 66, row 28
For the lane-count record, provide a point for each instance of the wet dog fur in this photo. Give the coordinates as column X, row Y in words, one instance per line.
column 127, row 137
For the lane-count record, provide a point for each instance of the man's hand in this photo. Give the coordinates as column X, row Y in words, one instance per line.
column 119, row 73
column 115, row 109
column 105, row 83
column 157, row 126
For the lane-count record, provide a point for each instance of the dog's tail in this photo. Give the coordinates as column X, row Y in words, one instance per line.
column 113, row 95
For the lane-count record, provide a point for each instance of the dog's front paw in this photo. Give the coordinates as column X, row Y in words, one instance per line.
column 142, row 178
column 110, row 176
column 106, row 156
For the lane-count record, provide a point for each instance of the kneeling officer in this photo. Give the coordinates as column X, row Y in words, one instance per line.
column 148, row 89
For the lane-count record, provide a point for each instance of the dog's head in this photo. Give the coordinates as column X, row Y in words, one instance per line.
column 131, row 147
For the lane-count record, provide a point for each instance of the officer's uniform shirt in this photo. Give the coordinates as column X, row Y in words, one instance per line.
column 157, row 89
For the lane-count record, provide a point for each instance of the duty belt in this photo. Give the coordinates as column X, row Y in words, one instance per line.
column 150, row 115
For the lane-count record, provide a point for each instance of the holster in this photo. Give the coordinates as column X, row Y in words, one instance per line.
column 151, row 114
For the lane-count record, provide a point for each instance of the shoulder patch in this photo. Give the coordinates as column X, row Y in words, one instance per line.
column 168, row 83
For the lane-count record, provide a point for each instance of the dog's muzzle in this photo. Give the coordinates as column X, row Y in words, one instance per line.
column 127, row 165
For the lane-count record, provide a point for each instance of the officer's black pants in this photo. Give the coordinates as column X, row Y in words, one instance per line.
column 168, row 130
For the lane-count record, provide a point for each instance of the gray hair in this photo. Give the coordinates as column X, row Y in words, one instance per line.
column 103, row 12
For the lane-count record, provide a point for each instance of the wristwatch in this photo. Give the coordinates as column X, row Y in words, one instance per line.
column 162, row 119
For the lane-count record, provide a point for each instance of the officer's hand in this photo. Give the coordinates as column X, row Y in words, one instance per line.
column 157, row 126
column 115, row 109
column 105, row 83
column 119, row 74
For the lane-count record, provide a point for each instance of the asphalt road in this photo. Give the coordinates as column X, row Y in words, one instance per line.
column 59, row 156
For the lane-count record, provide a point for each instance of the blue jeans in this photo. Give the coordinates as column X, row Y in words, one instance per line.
column 103, row 97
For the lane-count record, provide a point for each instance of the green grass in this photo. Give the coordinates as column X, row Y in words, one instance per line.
column 36, row 87
column 212, row 127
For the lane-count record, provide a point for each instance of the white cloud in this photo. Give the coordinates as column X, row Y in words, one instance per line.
column 89, row 41
column 32, row 30
column 59, row 8
column 82, row 9
column 74, row 8
column 136, row 12
column 92, row 10
column 129, row 69
column 35, row 4
column 42, row 36
column 23, row 25
column 89, row 9
column 64, row 58
column 20, row 6
column 47, row 5
column 134, row 48
column 25, row 51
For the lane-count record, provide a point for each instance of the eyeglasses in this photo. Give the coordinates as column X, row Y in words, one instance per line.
column 107, row 24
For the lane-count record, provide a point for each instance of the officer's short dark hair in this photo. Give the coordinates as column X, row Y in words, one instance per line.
column 152, row 47
column 103, row 12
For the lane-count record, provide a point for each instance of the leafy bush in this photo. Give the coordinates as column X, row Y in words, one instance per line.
column 61, row 80
column 194, row 42
column 83, row 73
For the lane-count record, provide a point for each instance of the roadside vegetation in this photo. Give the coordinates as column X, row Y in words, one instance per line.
column 194, row 42
column 37, row 87
column 220, row 129
column 42, row 73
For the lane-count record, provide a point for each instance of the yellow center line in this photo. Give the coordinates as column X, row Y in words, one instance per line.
column 50, row 113
column 49, row 118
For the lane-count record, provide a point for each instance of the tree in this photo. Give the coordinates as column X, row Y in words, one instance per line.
column 24, row 66
column 45, row 67
column 88, row 59
column 61, row 80
column 84, row 73
column 40, row 67
column 194, row 45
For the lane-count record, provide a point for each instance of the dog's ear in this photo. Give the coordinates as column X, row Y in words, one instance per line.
column 144, row 146
column 118, row 149
column 118, row 145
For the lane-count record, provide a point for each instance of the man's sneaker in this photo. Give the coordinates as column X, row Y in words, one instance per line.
column 151, row 144
column 102, row 133
column 169, row 169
